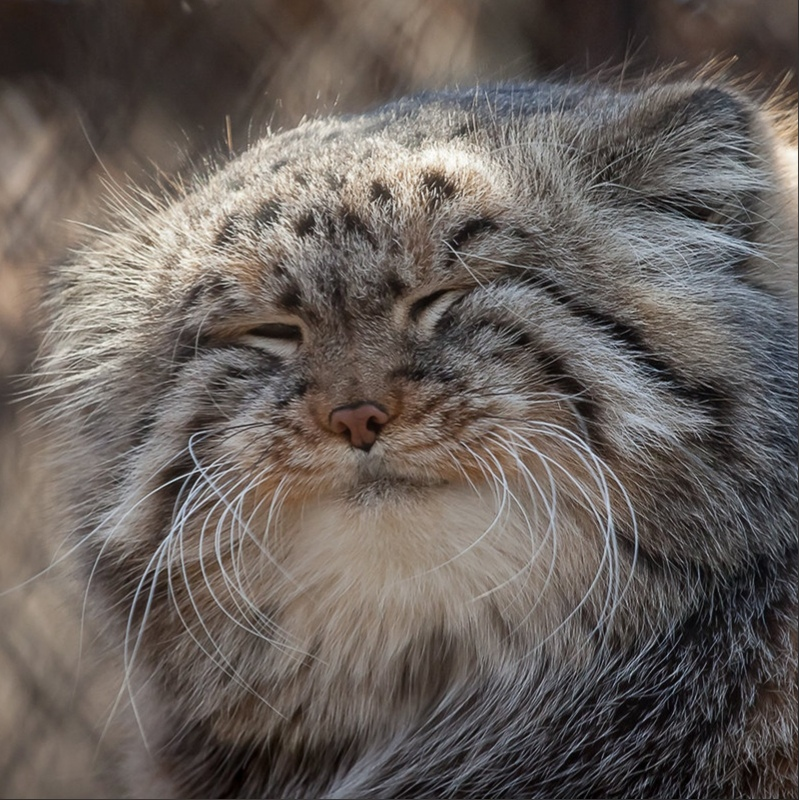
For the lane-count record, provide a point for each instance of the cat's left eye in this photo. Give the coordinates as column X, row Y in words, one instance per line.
column 428, row 310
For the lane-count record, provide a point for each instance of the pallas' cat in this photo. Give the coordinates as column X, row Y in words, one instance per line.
column 449, row 450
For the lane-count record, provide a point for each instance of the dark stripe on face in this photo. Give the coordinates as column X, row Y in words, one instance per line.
column 190, row 344
column 736, row 221
column 290, row 392
column 174, row 484
column 425, row 370
column 211, row 286
column 120, row 577
column 421, row 305
column 201, row 765
column 507, row 335
column 143, row 427
column 469, row 231
column 580, row 397
column 713, row 399
column 202, row 422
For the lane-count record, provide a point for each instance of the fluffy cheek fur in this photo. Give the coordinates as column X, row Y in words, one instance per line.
column 337, row 594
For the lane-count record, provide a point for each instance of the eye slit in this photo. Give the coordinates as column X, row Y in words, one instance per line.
column 423, row 303
column 280, row 331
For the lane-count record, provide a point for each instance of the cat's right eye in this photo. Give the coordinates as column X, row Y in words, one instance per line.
column 279, row 338
column 277, row 330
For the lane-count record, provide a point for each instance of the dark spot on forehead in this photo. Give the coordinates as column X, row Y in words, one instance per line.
column 335, row 182
column 268, row 213
column 332, row 286
column 437, row 187
column 395, row 284
column 301, row 178
column 379, row 193
column 305, row 225
column 227, row 233
column 355, row 225
column 279, row 164
column 327, row 222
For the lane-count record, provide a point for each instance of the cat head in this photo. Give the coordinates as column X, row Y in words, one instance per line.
column 549, row 327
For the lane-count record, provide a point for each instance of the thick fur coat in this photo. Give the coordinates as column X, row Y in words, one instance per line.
column 555, row 556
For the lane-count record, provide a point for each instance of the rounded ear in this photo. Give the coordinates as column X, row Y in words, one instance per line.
column 687, row 150
column 707, row 154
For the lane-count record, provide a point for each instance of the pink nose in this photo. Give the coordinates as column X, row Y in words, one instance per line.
column 360, row 422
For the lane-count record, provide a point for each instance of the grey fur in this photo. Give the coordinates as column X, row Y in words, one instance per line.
column 568, row 566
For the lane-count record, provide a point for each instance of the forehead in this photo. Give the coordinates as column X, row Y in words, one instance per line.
column 375, row 210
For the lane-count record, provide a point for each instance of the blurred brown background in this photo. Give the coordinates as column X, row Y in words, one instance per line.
column 94, row 89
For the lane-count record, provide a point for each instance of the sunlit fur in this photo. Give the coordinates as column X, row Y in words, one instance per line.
column 567, row 566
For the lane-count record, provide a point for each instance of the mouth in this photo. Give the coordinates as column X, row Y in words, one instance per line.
column 376, row 481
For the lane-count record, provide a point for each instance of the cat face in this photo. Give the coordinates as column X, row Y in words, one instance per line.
column 408, row 306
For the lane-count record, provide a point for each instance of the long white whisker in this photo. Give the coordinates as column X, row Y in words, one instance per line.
column 598, row 469
column 534, row 488
column 222, row 661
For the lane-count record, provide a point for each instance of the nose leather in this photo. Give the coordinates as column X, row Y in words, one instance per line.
column 360, row 422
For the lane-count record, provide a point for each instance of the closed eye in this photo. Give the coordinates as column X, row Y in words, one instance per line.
column 428, row 310
column 277, row 338
column 277, row 330
column 420, row 306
